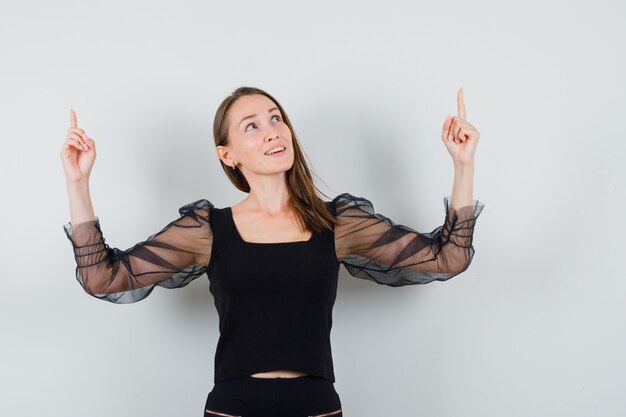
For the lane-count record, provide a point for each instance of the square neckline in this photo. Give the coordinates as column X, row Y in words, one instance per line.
column 234, row 226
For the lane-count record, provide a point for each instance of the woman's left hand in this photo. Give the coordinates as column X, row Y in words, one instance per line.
column 460, row 136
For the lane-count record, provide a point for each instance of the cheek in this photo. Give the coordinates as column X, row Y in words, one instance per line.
column 287, row 133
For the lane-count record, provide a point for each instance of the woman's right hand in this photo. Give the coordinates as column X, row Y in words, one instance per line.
column 78, row 153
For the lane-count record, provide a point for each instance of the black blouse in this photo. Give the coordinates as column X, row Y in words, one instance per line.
column 274, row 300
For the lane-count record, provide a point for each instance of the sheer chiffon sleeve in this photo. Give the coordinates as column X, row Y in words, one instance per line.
column 371, row 246
column 170, row 258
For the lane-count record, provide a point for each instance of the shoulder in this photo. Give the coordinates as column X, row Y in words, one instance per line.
column 346, row 200
column 202, row 203
column 201, row 207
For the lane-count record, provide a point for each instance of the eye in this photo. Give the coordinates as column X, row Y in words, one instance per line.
column 252, row 124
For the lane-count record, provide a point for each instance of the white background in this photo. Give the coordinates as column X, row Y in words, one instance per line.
column 535, row 326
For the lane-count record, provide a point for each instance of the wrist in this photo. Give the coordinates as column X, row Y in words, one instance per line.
column 460, row 167
column 78, row 185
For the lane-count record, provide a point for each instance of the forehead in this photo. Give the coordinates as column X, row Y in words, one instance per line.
column 247, row 105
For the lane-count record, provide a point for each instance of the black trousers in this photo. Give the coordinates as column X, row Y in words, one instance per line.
column 303, row 396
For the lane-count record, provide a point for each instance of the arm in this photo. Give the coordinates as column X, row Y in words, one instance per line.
column 463, row 186
column 81, row 208
column 371, row 246
column 173, row 257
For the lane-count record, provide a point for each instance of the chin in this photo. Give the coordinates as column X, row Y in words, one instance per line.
column 285, row 166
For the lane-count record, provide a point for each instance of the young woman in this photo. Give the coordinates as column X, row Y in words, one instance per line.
column 273, row 259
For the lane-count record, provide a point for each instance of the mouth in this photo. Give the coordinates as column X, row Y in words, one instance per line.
column 278, row 151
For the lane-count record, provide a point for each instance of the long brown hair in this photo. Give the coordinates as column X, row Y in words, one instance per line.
column 311, row 211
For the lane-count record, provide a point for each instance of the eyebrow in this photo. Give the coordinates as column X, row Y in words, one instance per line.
column 253, row 115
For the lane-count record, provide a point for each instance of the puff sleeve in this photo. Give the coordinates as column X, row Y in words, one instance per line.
column 371, row 246
column 170, row 258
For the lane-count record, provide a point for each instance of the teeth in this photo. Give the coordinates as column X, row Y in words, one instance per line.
column 271, row 151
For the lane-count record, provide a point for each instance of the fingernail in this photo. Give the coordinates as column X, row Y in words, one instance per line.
column 449, row 136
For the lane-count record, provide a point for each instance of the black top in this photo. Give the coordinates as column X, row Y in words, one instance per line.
column 274, row 300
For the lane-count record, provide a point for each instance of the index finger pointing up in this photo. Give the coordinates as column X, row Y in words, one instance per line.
column 461, row 104
column 73, row 118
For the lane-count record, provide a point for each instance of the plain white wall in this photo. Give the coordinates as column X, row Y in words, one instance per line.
column 535, row 326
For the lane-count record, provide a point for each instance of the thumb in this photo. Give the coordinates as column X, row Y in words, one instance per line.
column 91, row 143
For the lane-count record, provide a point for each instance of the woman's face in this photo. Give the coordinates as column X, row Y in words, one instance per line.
column 256, row 126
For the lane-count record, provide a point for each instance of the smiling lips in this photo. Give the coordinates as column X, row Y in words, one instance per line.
column 280, row 152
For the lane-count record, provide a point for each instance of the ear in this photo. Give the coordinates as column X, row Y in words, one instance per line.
column 224, row 154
